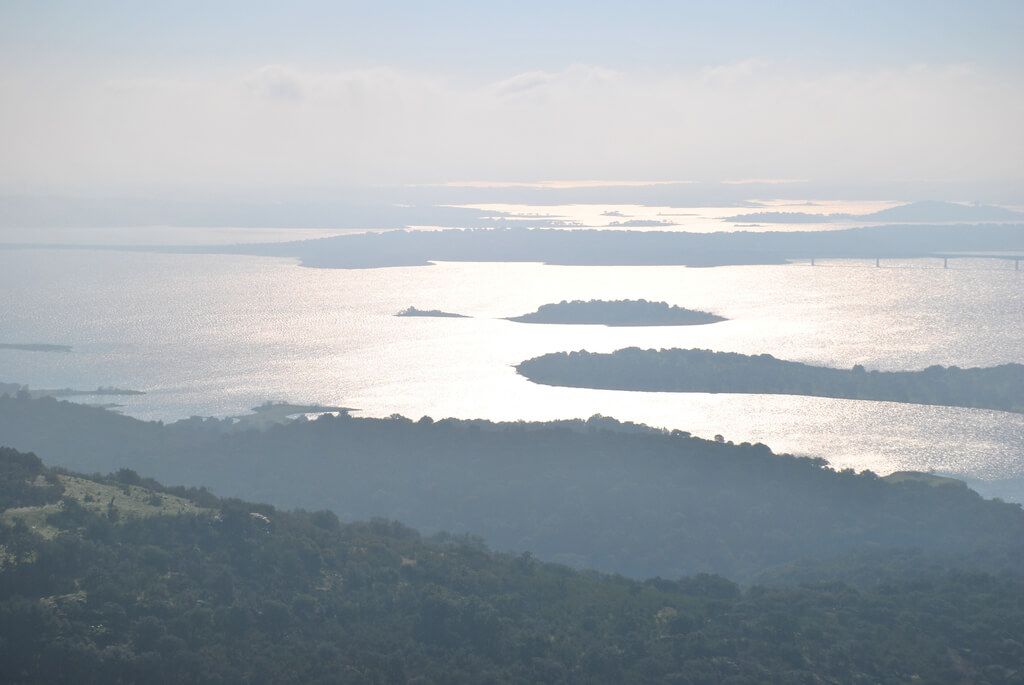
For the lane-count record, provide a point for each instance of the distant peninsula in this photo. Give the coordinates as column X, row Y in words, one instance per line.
column 624, row 247
column 18, row 388
column 71, row 392
column 677, row 370
column 271, row 413
column 35, row 347
column 617, row 313
column 412, row 311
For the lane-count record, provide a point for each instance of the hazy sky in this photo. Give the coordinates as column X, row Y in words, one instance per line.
column 126, row 96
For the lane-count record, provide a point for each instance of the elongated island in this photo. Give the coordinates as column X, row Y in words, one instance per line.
column 675, row 370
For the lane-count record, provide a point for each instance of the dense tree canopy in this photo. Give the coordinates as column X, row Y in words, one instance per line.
column 234, row 592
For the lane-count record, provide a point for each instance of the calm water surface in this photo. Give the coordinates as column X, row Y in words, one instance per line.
column 216, row 335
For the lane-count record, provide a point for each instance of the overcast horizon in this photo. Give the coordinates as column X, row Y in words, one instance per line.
column 244, row 99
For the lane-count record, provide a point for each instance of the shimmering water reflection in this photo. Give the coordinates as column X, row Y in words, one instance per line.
column 213, row 334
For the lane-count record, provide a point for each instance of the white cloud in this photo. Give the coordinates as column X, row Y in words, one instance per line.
column 280, row 124
column 277, row 82
column 573, row 78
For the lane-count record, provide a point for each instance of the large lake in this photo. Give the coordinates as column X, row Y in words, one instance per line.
column 216, row 335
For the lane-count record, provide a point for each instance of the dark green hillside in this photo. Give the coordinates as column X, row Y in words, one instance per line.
column 236, row 592
column 595, row 494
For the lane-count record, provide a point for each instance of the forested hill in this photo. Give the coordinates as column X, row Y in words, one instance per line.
column 158, row 585
column 674, row 370
column 595, row 494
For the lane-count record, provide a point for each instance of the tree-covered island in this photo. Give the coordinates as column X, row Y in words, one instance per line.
column 675, row 370
column 617, row 313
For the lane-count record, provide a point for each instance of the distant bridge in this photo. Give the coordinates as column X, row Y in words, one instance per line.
column 1015, row 258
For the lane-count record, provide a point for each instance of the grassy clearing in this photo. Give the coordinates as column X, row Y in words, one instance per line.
column 130, row 501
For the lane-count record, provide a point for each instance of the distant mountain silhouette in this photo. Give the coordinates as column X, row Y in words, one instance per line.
column 914, row 212
column 944, row 211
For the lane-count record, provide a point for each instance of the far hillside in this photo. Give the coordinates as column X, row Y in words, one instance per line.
column 594, row 494
column 927, row 211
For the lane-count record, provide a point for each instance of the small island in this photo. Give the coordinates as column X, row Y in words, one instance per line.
column 412, row 311
column 675, row 370
column 640, row 223
column 617, row 313
column 35, row 347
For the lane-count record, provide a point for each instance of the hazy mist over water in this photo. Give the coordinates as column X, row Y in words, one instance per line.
column 216, row 335
column 692, row 219
column 535, row 342
column 156, row 235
